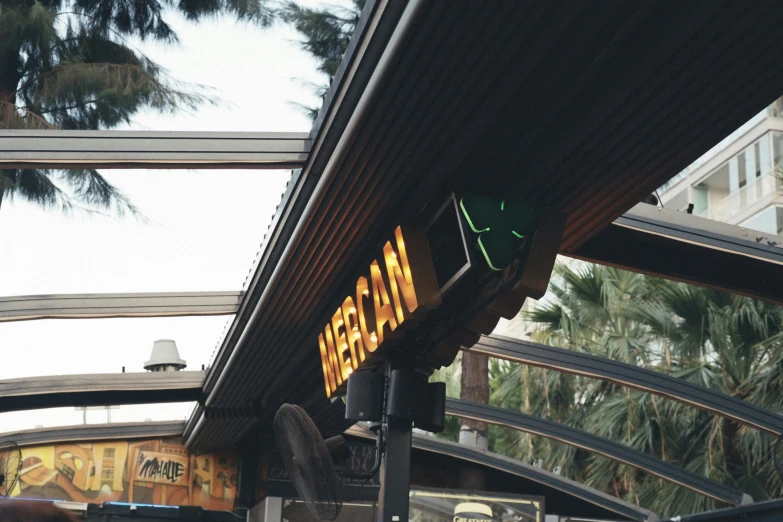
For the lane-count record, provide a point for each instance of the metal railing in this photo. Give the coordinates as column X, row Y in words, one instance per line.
column 732, row 205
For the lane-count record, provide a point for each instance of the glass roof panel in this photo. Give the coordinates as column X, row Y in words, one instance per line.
column 67, row 347
column 54, row 417
column 199, row 231
column 195, row 220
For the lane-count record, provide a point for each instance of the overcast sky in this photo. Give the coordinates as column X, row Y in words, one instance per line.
column 203, row 228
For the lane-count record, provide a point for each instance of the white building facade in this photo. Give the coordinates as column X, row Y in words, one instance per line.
column 739, row 181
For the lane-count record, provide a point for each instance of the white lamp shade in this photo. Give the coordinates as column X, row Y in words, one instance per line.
column 165, row 355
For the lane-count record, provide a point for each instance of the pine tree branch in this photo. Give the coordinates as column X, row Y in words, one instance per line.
column 11, row 119
column 109, row 79
column 73, row 65
column 37, row 187
column 34, row 79
column 115, row 33
column 69, row 107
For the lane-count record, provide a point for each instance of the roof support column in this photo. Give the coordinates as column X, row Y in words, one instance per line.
column 250, row 463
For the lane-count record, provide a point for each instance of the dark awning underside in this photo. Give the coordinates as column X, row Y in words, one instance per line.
column 582, row 107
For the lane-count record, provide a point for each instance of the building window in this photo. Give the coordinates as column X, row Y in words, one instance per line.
column 777, row 149
column 109, row 453
column 742, row 173
column 68, row 472
column 757, row 149
column 107, row 474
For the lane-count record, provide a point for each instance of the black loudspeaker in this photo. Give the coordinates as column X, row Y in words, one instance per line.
column 364, row 397
column 408, row 395
column 435, row 419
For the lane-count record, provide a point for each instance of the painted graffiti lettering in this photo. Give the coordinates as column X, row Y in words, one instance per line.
column 167, row 469
column 121, row 470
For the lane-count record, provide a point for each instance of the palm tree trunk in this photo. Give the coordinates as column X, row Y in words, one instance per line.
column 474, row 387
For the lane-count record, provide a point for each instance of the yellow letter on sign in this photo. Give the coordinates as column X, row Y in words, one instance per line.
column 366, row 315
column 341, row 344
column 352, row 332
column 400, row 277
column 329, row 379
column 383, row 305
column 332, row 353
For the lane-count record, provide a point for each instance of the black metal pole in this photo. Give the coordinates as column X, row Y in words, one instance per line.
column 395, row 473
column 394, row 495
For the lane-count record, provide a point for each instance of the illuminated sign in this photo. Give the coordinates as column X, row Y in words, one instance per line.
column 501, row 226
column 394, row 290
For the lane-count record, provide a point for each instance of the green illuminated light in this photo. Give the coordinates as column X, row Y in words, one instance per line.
column 501, row 226
column 486, row 255
column 470, row 222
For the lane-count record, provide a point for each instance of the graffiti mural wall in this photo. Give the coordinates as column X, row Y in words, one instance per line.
column 157, row 471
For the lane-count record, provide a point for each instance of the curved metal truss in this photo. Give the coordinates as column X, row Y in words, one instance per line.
column 649, row 381
column 534, row 474
column 515, row 467
column 595, row 444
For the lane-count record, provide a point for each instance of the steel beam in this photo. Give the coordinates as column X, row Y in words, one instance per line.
column 55, row 149
column 32, row 393
column 515, row 467
column 768, row 511
column 650, row 381
column 679, row 246
column 91, row 306
column 595, row 444
column 541, row 476
column 91, row 432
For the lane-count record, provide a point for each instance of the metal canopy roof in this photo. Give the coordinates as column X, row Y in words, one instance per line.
column 582, row 108
column 100, row 389
column 679, row 246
